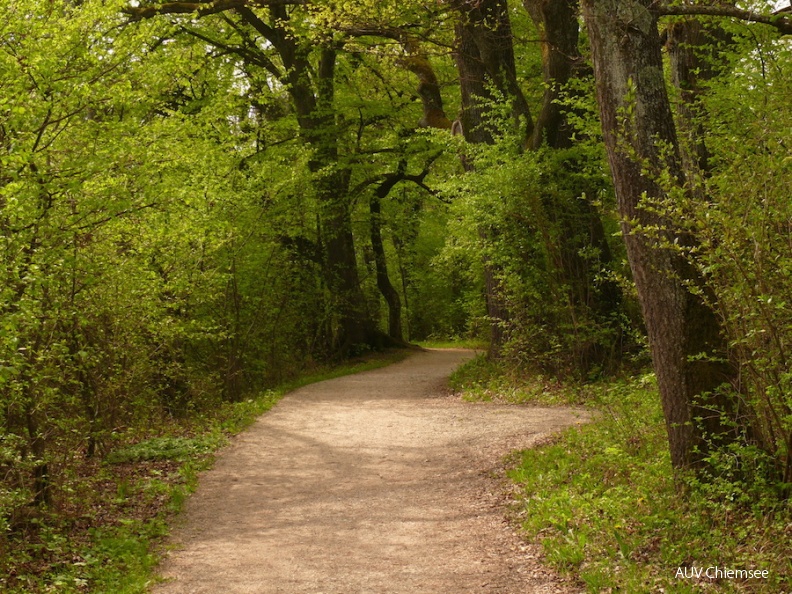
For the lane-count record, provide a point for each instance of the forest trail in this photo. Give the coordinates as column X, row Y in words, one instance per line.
column 376, row 483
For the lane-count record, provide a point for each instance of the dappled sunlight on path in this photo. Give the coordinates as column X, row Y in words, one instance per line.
column 377, row 482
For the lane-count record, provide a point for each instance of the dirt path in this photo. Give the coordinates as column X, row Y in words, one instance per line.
column 374, row 483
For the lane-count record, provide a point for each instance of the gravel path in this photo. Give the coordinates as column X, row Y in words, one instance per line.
column 375, row 483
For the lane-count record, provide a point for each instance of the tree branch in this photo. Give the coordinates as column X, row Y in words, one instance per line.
column 197, row 8
column 202, row 8
column 417, row 62
column 263, row 29
column 252, row 57
column 781, row 22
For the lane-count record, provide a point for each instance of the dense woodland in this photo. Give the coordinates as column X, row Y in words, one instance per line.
column 201, row 200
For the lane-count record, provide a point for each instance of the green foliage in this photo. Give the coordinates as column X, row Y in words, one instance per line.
column 543, row 220
column 107, row 542
column 746, row 237
column 163, row 257
column 178, row 449
column 483, row 380
column 603, row 500
column 739, row 215
column 472, row 344
column 445, row 286
column 136, row 280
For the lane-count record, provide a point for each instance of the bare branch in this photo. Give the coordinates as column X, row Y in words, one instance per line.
column 250, row 56
column 263, row 29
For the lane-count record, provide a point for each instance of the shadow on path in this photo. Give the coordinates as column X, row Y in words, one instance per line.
column 372, row 483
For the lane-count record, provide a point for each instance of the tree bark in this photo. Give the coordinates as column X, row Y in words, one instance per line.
column 557, row 22
column 384, row 284
column 485, row 58
column 692, row 50
column 688, row 351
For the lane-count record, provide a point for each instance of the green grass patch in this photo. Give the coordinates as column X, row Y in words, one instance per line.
column 481, row 380
column 603, row 502
column 119, row 560
column 454, row 343
column 179, row 449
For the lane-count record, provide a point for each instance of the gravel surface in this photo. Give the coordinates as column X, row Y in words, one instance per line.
column 378, row 483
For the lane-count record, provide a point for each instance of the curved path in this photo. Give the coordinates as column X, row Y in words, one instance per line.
column 374, row 483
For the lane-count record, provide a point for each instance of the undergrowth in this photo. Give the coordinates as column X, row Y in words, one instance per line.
column 604, row 503
column 482, row 380
column 105, row 534
column 453, row 343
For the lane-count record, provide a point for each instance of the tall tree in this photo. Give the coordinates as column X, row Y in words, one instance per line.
column 581, row 224
column 268, row 37
column 687, row 348
column 484, row 55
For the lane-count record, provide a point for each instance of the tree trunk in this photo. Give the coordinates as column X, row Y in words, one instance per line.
column 557, row 22
column 693, row 56
column 684, row 334
column 384, row 284
column 316, row 116
column 485, row 58
column 312, row 90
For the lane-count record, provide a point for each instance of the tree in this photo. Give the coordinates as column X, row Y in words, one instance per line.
column 688, row 349
column 581, row 228
column 300, row 49
column 575, row 248
column 271, row 42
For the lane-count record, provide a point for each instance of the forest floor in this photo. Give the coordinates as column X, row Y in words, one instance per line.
column 379, row 482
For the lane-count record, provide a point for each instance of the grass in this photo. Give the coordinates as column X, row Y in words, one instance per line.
column 105, row 535
column 603, row 501
column 454, row 343
column 481, row 380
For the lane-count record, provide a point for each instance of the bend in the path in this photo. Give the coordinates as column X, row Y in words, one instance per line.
column 371, row 483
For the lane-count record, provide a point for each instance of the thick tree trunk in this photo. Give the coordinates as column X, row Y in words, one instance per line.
column 557, row 23
column 684, row 39
column 579, row 222
column 693, row 56
column 417, row 62
column 684, row 334
column 473, row 85
column 497, row 312
column 485, row 58
column 340, row 262
column 475, row 128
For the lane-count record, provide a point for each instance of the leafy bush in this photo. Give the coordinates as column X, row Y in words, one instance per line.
column 544, row 222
